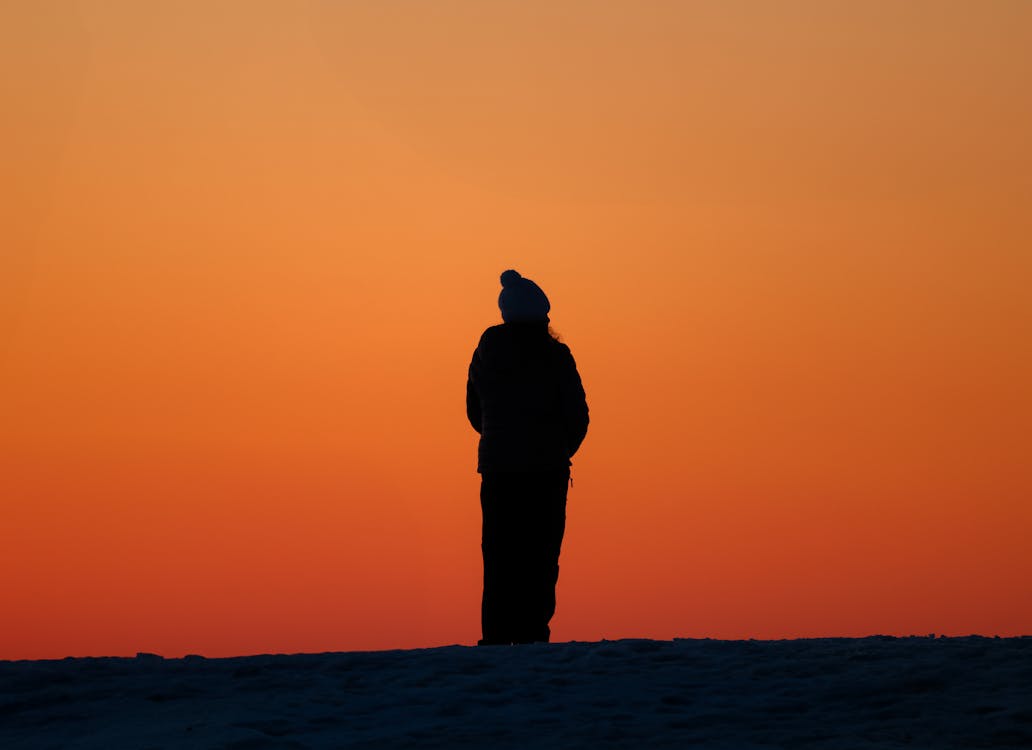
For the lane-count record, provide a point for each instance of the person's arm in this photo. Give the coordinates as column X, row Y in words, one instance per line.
column 473, row 399
column 574, row 402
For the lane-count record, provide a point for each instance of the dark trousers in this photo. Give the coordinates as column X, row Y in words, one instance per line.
column 524, row 522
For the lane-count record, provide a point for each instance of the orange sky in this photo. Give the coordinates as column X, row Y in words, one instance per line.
column 246, row 250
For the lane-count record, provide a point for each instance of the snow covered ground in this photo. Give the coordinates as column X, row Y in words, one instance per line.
column 825, row 693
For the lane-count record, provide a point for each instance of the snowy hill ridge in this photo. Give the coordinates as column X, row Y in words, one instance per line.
column 816, row 693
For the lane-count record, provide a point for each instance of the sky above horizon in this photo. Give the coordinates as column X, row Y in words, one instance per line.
column 246, row 250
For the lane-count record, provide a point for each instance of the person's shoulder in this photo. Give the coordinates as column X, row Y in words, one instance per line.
column 492, row 333
column 559, row 347
column 562, row 353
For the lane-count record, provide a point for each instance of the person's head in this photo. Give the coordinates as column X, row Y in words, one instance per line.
column 521, row 300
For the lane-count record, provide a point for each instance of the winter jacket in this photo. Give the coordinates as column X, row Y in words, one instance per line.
column 525, row 398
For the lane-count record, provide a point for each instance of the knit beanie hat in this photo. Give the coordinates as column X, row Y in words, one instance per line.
column 521, row 299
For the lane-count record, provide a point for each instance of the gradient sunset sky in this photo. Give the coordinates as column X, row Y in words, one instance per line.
column 247, row 248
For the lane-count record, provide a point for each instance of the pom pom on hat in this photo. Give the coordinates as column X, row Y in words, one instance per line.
column 521, row 299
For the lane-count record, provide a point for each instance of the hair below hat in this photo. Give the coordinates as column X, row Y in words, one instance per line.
column 521, row 299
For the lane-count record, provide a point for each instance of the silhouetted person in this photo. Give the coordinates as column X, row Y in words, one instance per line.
column 525, row 398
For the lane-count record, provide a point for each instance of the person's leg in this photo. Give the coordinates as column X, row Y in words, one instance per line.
column 542, row 525
column 526, row 529
column 553, row 527
column 496, row 609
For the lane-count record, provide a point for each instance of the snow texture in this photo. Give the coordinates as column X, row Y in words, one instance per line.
column 877, row 692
